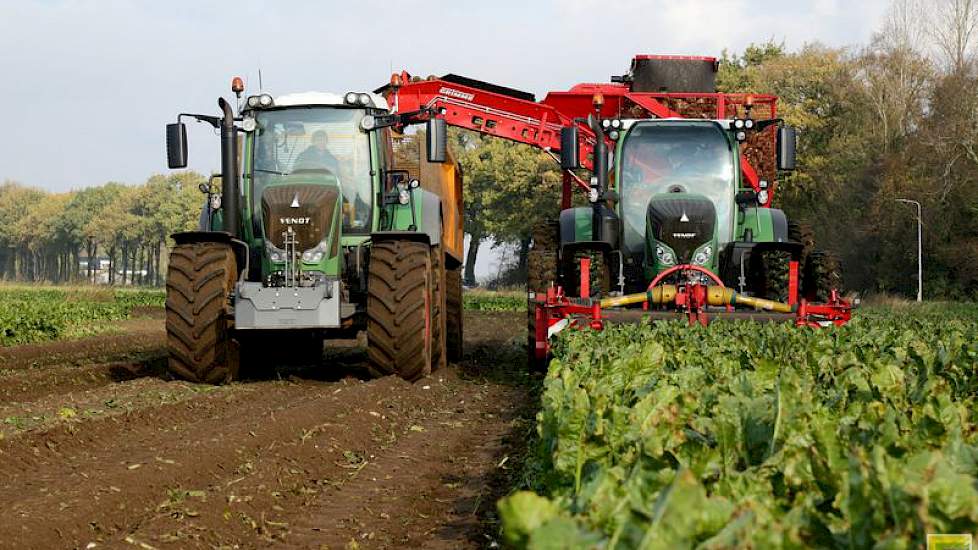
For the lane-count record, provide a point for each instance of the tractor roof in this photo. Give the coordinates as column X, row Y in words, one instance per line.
column 322, row 98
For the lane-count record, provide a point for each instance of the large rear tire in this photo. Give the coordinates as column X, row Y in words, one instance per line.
column 454, row 314
column 821, row 273
column 400, row 307
column 199, row 318
column 439, row 317
column 541, row 272
column 599, row 275
column 541, row 259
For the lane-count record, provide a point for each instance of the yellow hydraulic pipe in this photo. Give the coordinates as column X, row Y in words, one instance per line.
column 662, row 294
column 721, row 296
column 715, row 296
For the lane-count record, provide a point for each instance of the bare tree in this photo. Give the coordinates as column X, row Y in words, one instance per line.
column 894, row 73
column 953, row 28
column 902, row 28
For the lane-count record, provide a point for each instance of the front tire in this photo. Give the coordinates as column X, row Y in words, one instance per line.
column 820, row 275
column 199, row 318
column 400, row 309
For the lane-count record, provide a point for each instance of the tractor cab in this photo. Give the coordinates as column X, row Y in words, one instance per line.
column 308, row 181
column 677, row 180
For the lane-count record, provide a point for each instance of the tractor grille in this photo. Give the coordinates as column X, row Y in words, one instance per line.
column 308, row 209
column 683, row 224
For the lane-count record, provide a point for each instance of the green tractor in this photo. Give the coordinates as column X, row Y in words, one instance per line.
column 677, row 198
column 316, row 232
column 682, row 176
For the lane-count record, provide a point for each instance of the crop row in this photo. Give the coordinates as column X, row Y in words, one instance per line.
column 764, row 436
column 481, row 300
column 32, row 314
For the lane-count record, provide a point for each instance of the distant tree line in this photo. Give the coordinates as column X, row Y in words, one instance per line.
column 44, row 236
column 897, row 118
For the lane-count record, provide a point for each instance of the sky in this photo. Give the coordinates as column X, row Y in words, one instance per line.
column 86, row 86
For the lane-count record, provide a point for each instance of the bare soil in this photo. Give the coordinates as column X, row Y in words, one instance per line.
column 100, row 448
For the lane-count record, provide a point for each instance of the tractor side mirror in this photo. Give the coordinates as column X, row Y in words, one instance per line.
column 176, row 145
column 395, row 177
column 787, row 142
column 569, row 148
column 437, row 140
column 746, row 198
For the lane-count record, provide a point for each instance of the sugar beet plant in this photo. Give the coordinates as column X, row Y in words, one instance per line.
column 763, row 436
column 32, row 314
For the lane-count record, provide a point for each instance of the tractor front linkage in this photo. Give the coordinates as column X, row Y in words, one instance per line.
column 691, row 298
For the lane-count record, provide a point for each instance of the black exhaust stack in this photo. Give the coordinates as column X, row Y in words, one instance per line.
column 600, row 174
column 229, row 170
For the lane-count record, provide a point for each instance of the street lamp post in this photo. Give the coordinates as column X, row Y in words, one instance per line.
column 920, row 250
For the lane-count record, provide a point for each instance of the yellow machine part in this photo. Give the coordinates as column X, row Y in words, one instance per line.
column 715, row 295
column 445, row 180
column 442, row 179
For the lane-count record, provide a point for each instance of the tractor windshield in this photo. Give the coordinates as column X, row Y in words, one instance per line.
column 675, row 157
column 315, row 145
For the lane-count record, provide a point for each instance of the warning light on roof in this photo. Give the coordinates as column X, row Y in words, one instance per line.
column 395, row 80
column 237, row 85
column 597, row 100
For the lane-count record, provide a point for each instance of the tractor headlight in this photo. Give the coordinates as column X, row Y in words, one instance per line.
column 248, row 124
column 762, row 196
column 275, row 253
column 616, row 124
column 741, row 136
column 738, row 123
column 613, row 135
column 363, row 99
column 350, row 98
column 315, row 254
column 403, row 196
column 265, row 100
column 606, row 124
column 664, row 256
column 215, row 201
column 368, row 122
column 749, row 123
column 253, row 101
column 704, row 256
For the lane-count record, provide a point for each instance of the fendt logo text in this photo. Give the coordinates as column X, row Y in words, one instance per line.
column 294, row 221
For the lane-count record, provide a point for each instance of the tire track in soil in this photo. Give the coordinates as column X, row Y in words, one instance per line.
column 302, row 462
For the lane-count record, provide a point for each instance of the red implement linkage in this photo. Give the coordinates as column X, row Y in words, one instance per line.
column 556, row 311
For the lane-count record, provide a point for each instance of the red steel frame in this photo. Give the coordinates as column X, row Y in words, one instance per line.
column 539, row 123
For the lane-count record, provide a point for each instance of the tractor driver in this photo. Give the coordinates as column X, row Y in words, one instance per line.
column 317, row 155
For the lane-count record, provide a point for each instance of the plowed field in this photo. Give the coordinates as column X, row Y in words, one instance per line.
column 100, row 448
